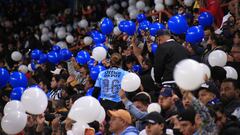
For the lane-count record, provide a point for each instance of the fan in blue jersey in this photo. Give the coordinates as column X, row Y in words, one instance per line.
column 109, row 83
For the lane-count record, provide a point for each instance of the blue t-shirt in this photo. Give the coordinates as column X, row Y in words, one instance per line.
column 110, row 83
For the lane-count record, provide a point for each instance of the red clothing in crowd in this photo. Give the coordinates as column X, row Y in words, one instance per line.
column 213, row 6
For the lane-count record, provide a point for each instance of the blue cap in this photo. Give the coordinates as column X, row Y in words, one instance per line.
column 166, row 92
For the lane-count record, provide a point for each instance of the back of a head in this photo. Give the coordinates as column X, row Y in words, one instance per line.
column 187, row 115
column 142, row 97
column 115, row 59
column 163, row 32
column 218, row 73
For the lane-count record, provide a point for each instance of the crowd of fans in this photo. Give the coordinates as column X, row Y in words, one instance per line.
column 212, row 109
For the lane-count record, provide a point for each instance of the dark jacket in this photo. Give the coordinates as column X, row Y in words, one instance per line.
column 167, row 56
column 231, row 106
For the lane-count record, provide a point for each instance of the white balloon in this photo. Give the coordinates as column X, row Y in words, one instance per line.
column 169, row 2
column 133, row 14
column 130, row 82
column 14, row 122
column 45, row 30
column 87, row 40
column 116, row 31
column 140, row 5
column 69, row 28
column 16, row 56
column 124, row 4
column 206, row 70
column 117, row 16
column 12, row 106
column 30, row 68
column 23, row 69
column 217, row 58
column 61, row 34
column 75, row 25
column 146, row 9
column 79, row 128
column 102, row 115
column 152, row 74
column 188, row 2
column 159, row 7
column 48, row 23
column 34, row 100
column 62, row 44
column 231, row 72
column 132, row 2
column 188, row 74
column 62, row 29
column 154, row 107
column 130, row 8
column 85, row 109
column 56, row 29
column 41, row 26
column 110, row 12
column 83, row 23
column 158, row 1
column 99, row 53
column 70, row 39
column 50, row 35
column 44, row 37
column 152, row 38
column 116, row 6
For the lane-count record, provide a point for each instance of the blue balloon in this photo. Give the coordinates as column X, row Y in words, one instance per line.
column 56, row 48
column 35, row 54
column 155, row 27
column 16, row 93
column 195, row 34
column 137, row 69
column 33, row 65
column 42, row 59
column 106, row 26
column 4, row 77
column 178, row 24
column 18, row 79
column 65, row 54
column 91, row 63
column 130, row 28
column 144, row 25
column 205, row 19
column 154, row 47
column 82, row 57
column 122, row 26
column 141, row 17
column 94, row 32
column 98, row 37
column 95, row 71
column 54, row 57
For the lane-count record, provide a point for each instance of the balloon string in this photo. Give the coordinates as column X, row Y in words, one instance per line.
column 160, row 17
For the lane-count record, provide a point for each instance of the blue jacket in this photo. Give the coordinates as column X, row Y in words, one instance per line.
column 130, row 131
column 136, row 113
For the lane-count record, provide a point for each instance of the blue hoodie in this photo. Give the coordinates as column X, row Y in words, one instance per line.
column 130, row 131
